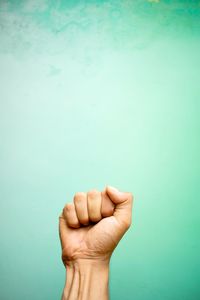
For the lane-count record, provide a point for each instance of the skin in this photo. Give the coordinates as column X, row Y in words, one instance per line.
column 90, row 228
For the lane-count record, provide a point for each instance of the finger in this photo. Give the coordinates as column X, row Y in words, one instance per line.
column 62, row 229
column 94, row 205
column 123, row 205
column 70, row 215
column 107, row 206
column 80, row 202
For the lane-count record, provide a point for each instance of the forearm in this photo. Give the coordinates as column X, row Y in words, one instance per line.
column 86, row 280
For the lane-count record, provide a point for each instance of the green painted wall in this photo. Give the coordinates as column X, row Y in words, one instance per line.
column 95, row 93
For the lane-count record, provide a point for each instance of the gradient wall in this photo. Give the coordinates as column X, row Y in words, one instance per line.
column 95, row 93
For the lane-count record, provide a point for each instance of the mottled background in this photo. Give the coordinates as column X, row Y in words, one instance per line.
column 95, row 93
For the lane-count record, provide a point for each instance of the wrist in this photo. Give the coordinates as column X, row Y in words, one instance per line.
column 87, row 279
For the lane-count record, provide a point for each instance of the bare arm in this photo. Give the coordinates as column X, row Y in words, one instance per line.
column 87, row 280
column 90, row 229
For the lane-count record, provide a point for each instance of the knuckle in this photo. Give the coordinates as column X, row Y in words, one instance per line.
column 93, row 193
column 68, row 207
column 78, row 197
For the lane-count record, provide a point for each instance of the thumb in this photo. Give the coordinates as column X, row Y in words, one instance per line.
column 123, row 206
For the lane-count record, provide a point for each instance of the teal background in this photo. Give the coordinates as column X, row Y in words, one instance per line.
column 95, row 93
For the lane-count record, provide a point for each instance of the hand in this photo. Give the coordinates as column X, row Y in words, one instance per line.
column 91, row 226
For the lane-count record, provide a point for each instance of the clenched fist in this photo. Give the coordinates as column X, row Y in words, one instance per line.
column 90, row 228
column 93, row 224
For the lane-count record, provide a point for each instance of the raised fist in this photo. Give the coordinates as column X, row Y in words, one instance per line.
column 91, row 226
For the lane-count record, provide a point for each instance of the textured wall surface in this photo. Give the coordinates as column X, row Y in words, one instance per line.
column 95, row 93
